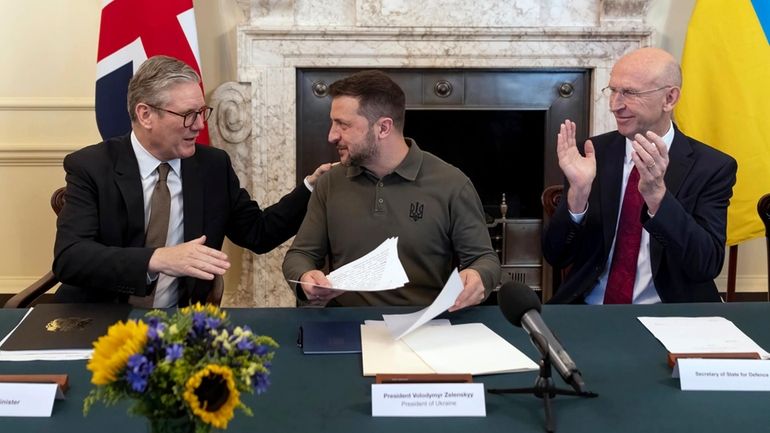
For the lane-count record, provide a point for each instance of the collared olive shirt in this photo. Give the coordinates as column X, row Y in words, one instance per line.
column 431, row 206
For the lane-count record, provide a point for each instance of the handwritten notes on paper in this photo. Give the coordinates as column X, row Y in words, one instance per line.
column 381, row 269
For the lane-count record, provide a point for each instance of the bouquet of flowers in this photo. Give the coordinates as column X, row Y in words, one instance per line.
column 187, row 368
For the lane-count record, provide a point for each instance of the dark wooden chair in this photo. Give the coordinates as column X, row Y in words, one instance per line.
column 763, row 209
column 550, row 199
column 28, row 296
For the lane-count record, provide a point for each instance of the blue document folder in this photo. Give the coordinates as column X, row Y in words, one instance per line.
column 330, row 337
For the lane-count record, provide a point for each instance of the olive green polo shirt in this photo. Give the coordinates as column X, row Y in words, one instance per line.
column 431, row 206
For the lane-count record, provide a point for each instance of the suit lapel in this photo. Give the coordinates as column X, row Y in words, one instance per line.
column 192, row 196
column 192, row 193
column 609, row 174
column 680, row 162
column 129, row 184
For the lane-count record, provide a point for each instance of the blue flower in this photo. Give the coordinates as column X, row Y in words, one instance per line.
column 199, row 323
column 261, row 350
column 155, row 327
column 245, row 344
column 212, row 322
column 261, row 382
column 138, row 370
column 174, row 352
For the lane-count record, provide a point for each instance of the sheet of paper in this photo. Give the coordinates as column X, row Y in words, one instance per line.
column 381, row 269
column 402, row 324
column 469, row 348
column 434, row 322
column 700, row 335
column 380, row 353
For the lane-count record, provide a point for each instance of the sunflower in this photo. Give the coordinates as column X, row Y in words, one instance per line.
column 208, row 309
column 111, row 351
column 212, row 395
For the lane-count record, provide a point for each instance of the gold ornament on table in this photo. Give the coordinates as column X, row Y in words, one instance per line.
column 185, row 371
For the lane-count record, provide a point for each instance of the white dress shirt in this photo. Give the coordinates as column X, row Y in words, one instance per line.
column 644, row 286
column 166, row 290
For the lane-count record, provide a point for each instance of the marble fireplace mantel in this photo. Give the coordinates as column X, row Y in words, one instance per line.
column 255, row 118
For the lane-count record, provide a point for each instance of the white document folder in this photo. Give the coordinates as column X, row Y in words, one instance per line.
column 471, row 348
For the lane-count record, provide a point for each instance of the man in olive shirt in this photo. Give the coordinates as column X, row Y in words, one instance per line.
column 386, row 187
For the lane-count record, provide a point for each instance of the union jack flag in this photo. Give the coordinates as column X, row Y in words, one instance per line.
column 130, row 32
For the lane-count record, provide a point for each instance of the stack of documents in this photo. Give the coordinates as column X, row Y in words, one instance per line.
column 701, row 335
column 414, row 343
column 469, row 348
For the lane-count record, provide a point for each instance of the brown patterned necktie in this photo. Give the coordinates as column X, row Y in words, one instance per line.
column 157, row 227
column 160, row 208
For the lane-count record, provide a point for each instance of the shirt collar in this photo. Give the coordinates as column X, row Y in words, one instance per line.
column 668, row 138
column 408, row 169
column 147, row 162
column 410, row 166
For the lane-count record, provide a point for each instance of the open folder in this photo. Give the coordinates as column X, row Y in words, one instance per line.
column 469, row 348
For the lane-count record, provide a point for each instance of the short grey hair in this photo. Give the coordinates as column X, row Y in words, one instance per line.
column 150, row 83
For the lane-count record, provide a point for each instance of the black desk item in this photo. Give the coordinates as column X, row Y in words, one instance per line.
column 65, row 326
column 330, row 337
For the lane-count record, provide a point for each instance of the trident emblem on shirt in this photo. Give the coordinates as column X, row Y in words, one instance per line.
column 415, row 211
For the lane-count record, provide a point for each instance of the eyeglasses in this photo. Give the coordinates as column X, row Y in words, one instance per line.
column 629, row 94
column 189, row 117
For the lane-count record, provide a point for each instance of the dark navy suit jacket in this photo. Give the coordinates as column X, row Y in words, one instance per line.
column 687, row 234
column 99, row 254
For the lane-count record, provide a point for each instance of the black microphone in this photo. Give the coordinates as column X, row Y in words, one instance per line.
column 521, row 306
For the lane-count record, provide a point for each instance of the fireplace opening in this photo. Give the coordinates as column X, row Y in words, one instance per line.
column 501, row 151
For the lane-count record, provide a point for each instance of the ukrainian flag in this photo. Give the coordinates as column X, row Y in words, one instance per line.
column 726, row 98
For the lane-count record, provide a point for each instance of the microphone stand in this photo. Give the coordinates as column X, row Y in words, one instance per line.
column 544, row 388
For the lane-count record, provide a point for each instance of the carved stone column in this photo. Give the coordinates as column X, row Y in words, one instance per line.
column 261, row 283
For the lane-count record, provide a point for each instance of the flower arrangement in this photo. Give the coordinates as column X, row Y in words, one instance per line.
column 190, row 366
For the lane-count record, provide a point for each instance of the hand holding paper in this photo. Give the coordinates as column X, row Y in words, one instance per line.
column 402, row 324
column 317, row 287
column 473, row 290
column 381, row 269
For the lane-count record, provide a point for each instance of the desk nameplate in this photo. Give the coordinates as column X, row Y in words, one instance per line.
column 27, row 399
column 429, row 400
column 724, row 374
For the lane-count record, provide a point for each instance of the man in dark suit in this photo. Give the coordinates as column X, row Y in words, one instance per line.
column 100, row 251
column 644, row 210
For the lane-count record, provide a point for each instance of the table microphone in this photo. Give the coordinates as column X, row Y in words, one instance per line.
column 521, row 306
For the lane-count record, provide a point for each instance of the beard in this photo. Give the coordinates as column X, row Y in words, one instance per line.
column 366, row 152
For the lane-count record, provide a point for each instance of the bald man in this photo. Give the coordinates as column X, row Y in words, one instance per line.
column 643, row 217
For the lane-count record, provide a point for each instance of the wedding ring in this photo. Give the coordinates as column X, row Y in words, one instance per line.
column 650, row 165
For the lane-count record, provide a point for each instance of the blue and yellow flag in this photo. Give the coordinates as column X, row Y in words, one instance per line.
column 726, row 99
